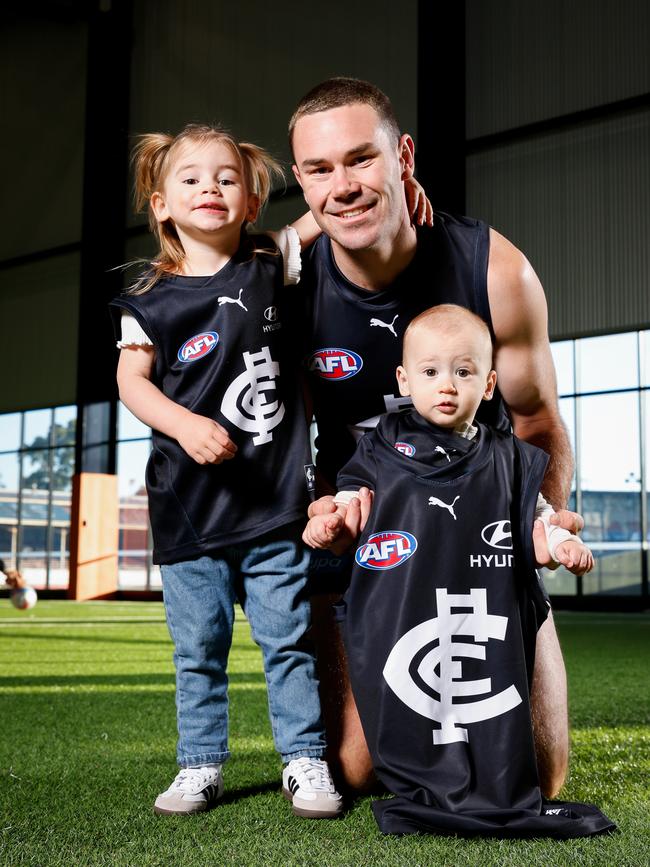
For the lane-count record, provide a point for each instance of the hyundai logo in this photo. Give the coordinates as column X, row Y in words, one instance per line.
column 498, row 535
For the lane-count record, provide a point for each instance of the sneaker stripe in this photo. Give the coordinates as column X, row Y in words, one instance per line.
column 210, row 792
column 294, row 785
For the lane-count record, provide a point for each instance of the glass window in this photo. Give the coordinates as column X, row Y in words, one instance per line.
column 608, row 452
column 155, row 579
column 38, row 424
column 559, row 582
column 644, row 338
column 568, row 413
column 609, row 441
column 132, row 460
column 134, row 541
column 35, row 493
column 65, row 422
column 9, row 466
column 36, row 470
column 95, row 459
column 10, row 431
column 608, row 363
column 62, row 469
column 646, row 413
column 96, row 425
column 617, row 571
column 9, row 473
column 33, row 551
column 562, row 352
column 128, row 426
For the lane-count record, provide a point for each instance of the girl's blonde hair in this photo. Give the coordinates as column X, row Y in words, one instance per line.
column 152, row 158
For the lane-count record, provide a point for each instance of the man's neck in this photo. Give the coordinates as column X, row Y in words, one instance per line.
column 375, row 268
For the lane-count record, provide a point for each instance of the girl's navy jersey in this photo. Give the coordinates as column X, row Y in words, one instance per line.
column 225, row 349
column 355, row 336
column 442, row 595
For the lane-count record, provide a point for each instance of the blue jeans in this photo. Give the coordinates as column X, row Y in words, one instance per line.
column 268, row 578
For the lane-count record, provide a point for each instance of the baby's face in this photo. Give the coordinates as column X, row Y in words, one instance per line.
column 447, row 373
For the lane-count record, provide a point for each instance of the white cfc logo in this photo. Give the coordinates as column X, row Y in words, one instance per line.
column 246, row 402
column 476, row 623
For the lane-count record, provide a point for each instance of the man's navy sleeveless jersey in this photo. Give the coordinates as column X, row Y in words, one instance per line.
column 355, row 336
column 443, row 591
column 225, row 349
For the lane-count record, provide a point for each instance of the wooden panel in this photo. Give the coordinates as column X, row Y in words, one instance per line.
column 94, row 536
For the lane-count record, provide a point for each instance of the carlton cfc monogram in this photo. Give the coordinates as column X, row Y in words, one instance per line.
column 443, row 656
column 246, row 402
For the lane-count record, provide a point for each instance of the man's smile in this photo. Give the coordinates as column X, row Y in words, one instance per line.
column 351, row 213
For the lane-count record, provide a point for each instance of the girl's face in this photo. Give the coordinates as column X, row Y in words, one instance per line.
column 205, row 193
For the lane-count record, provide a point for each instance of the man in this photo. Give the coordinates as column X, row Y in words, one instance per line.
column 367, row 278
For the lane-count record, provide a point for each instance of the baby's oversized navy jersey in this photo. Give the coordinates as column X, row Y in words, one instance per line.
column 442, row 596
column 355, row 336
column 225, row 349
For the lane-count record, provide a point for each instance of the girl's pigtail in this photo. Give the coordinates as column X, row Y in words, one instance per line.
column 148, row 162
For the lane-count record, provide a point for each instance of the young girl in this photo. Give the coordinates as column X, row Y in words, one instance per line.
column 206, row 362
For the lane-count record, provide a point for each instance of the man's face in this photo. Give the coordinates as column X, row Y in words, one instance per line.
column 351, row 173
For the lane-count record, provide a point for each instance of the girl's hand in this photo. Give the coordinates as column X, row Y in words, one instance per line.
column 419, row 206
column 204, row 440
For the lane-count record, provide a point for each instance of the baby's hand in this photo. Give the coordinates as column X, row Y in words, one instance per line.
column 204, row 440
column 574, row 556
column 322, row 531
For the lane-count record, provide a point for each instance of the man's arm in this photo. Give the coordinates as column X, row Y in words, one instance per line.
column 526, row 377
column 524, row 364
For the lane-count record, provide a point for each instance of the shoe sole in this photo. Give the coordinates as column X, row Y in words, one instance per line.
column 200, row 808
column 203, row 808
column 306, row 813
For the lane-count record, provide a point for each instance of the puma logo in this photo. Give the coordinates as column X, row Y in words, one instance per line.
column 225, row 299
column 434, row 501
column 388, row 325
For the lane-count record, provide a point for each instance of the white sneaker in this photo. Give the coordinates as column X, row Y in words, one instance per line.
column 307, row 783
column 193, row 791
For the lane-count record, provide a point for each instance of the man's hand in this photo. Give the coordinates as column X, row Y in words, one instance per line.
column 350, row 527
column 204, row 440
column 571, row 521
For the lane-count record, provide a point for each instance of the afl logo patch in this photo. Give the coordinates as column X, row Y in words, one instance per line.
column 198, row 346
column 335, row 364
column 386, row 550
column 406, row 449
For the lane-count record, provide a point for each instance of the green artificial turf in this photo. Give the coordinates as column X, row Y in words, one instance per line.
column 88, row 737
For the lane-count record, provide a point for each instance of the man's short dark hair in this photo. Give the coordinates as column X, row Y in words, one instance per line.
column 337, row 92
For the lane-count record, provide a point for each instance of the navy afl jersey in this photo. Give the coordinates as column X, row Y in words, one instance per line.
column 225, row 349
column 355, row 336
column 443, row 590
